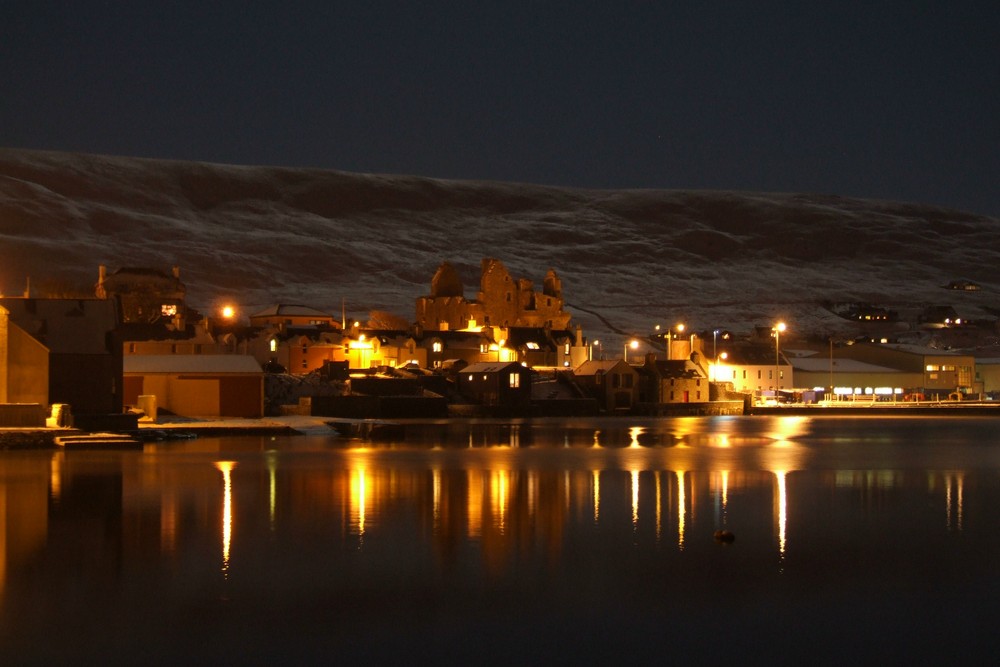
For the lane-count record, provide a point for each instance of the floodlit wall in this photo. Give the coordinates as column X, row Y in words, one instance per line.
column 24, row 365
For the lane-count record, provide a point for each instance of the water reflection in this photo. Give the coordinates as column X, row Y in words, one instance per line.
column 226, row 468
column 539, row 503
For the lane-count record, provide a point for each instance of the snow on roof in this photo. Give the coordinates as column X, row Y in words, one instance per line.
column 290, row 310
column 819, row 364
column 190, row 363
column 594, row 366
column 490, row 367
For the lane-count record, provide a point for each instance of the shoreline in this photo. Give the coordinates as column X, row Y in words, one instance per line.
column 44, row 438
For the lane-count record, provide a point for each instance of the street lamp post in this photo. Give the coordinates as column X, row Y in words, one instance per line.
column 778, row 328
column 715, row 335
column 634, row 344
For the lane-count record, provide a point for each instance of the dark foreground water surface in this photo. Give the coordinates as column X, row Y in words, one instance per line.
column 585, row 541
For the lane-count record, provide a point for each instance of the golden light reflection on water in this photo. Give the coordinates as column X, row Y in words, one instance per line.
column 55, row 476
column 500, row 481
column 954, row 499
column 474, row 504
column 681, row 509
column 499, row 504
column 781, row 511
column 272, row 486
column 635, row 499
column 596, row 499
column 359, row 500
column 226, row 467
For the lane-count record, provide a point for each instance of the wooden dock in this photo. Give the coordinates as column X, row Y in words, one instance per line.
column 84, row 441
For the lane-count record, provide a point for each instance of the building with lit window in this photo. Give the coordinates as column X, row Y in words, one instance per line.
column 941, row 372
column 144, row 296
column 506, row 385
column 753, row 368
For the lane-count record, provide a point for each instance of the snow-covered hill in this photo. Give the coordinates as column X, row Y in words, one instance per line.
column 638, row 257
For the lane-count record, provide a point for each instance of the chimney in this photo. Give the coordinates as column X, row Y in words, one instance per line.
column 579, row 336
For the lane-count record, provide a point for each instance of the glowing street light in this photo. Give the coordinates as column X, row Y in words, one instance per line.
column 717, row 375
column 228, row 312
column 634, row 344
column 778, row 328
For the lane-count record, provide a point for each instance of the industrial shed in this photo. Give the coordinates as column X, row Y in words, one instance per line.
column 197, row 385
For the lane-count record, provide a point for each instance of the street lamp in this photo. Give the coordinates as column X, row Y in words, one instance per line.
column 778, row 328
column 634, row 344
column 715, row 335
column 717, row 367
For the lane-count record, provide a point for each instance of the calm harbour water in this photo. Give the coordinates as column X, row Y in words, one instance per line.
column 549, row 540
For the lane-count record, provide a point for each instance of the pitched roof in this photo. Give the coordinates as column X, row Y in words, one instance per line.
column 593, row 367
column 190, row 363
column 291, row 310
column 491, row 367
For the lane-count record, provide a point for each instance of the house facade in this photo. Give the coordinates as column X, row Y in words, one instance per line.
column 613, row 383
column 674, row 381
column 752, row 368
column 496, row 384
column 143, row 295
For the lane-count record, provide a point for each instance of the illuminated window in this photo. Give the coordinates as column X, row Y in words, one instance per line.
column 515, row 380
column 470, row 377
column 948, row 368
column 168, row 310
column 933, row 367
column 484, row 348
column 532, row 346
column 274, row 345
column 436, row 346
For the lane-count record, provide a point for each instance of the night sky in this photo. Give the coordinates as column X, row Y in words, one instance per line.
column 892, row 100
